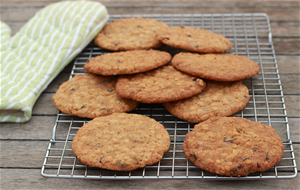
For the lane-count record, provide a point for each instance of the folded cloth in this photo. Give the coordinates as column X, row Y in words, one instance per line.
column 32, row 58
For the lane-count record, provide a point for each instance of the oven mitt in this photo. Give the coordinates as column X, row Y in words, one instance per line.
column 33, row 57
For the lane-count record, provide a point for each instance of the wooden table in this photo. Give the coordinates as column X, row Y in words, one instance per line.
column 23, row 146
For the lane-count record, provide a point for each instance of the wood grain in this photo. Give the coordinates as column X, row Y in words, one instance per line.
column 229, row 3
column 13, row 14
column 292, row 105
column 44, row 105
column 31, row 179
column 28, row 154
column 279, row 29
column 16, row 11
column 288, row 64
column 287, row 46
column 285, row 29
column 38, row 128
column 290, row 82
column 294, row 124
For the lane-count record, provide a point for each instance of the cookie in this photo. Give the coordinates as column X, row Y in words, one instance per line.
column 160, row 85
column 194, row 39
column 233, row 146
column 91, row 96
column 121, row 141
column 128, row 62
column 218, row 67
column 130, row 34
column 217, row 99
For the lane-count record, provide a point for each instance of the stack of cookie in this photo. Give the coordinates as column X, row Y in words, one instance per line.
column 197, row 86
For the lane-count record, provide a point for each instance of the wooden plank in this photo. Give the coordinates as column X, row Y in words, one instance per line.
column 44, row 105
column 292, row 103
column 17, row 13
column 285, row 29
column 31, row 179
column 125, row 3
column 279, row 29
column 29, row 154
column 287, row 46
column 37, row 128
column 288, row 64
column 294, row 124
column 290, row 84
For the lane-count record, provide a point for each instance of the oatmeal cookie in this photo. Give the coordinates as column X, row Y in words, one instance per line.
column 194, row 39
column 128, row 62
column 121, row 141
column 91, row 96
column 217, row 99
column 218, row 67
column 160, row 85
column 130, row 34
column 233, row 146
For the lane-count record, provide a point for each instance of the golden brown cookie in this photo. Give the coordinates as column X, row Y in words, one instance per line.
column 194, row 39
column 91, row 96
column 233, row 146
column 218, row 67
column 160, row 85
column 130, row 34
column 217, row 99
column 121, row 142
column 128, row 62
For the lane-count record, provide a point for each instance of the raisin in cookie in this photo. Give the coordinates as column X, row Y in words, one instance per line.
column 121, row 141
column 91, row 96
column 194, row 39
column 233, row 146
column 217, row 99
column 218, row 67
column 130, row 34
column 160, row 85
column 128, row 62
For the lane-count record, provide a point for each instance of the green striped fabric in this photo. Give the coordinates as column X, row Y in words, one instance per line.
column 33, row 57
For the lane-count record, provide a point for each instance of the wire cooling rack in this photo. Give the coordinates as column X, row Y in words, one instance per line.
column 251, row 36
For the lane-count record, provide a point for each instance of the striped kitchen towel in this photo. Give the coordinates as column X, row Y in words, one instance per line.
column 33, row 57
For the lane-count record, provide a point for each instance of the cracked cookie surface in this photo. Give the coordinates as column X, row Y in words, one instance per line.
column 233, row 146
column 91, row 96
column 128, row 62
column 121, row 141
column 194, row 39
column 217, row 99
column 130, row 34
column 160, row 85
column 217, row 67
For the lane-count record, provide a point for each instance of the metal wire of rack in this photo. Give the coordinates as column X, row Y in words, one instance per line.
column 251, row 36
